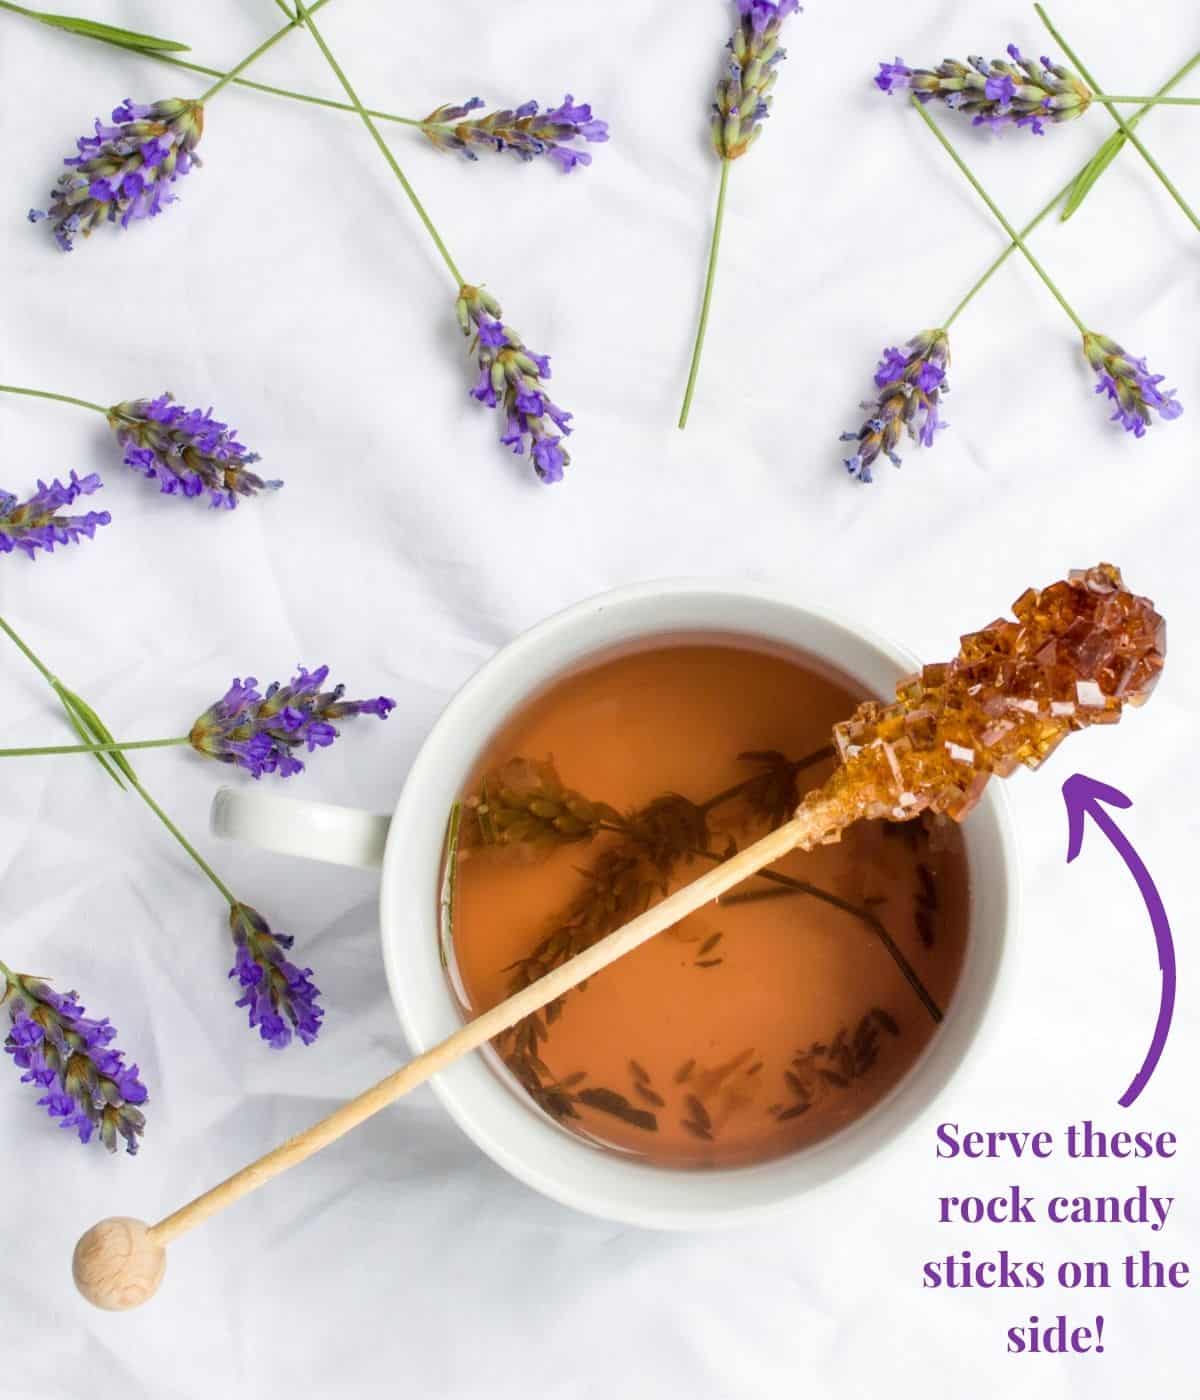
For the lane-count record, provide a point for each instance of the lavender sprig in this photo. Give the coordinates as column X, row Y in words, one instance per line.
column 743, row 103
column 88, row 1086
column 108, row 753
column 910, row 388
column 525, row 131
column 1023, row 92
column 262, row 732
column 510, row 379
column 281, row 997
column 1127, row 382
column 39, row 523
column 124, row 171
column 187, row 451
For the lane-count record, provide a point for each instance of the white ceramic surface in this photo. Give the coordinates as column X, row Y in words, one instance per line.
column 495, row 1114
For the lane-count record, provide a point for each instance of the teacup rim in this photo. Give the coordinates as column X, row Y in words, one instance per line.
column 458, row 1088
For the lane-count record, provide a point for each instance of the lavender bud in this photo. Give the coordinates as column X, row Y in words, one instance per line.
column 261, row 733
column 525, row 131
column 510, row 379
column 186, row 451
column 744, row 94
column 124, row 172
column 88, row 1086
column 281, row 997
column 1022, row 92
column 38, row 523
column 910, row 387
column 1128, row 383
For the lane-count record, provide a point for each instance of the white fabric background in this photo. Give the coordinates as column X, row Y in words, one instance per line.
column 293, row 290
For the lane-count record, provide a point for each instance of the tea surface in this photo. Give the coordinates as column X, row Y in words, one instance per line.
column 764, row 1022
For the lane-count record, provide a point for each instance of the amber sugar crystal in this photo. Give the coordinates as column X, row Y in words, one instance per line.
column 1075, row 655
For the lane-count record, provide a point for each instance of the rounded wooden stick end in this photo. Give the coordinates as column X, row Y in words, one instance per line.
column 118, row 1265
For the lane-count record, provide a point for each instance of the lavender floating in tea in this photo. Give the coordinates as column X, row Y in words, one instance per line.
column 545, row 869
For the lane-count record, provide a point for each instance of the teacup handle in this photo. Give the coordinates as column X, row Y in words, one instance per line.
column 314, row 830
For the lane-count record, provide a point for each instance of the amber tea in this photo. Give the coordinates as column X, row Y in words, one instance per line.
column 763, row 1023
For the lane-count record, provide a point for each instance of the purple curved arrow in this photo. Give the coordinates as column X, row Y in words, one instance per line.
column 1084, row 797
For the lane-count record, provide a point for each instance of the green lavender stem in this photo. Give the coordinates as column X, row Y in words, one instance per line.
column 710, row 279
column 1107, row 97
column 69, row 701
column 1053, row 202
column 116, row 747
column 1015, row 237
column 1125, row 127
column 224, row 890
column 58, row 398
column 254, row 55
column 306, row 12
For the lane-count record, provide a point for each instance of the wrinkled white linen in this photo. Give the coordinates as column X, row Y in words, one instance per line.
column 293, row 290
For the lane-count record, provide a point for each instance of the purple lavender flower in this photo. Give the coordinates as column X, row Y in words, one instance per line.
column 1128, row 383
column 87, row 1084
column 260, row 733
column 124, row 172
column 910, row 387
column 510, row 379
column 275, row 990
column 1022, row 92
column 186, row 451
column 744, row 95
column 38, row 523
column 525, row 131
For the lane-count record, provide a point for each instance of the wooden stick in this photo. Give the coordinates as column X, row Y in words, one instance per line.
column 119, row 1263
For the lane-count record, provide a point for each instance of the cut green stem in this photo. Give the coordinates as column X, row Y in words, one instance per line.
column 58, row 398
column 116, row 747
column 1107, row 97
column 1125, row 126
column 226, row 893
column 1014, row 236
column 306, row 13
column 705, row 305
column 82, row 717
column 254, row 55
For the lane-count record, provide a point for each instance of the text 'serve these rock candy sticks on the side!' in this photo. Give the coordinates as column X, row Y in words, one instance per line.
column 1076, row 654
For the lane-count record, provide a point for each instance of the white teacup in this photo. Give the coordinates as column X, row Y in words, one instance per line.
column 407, row 847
